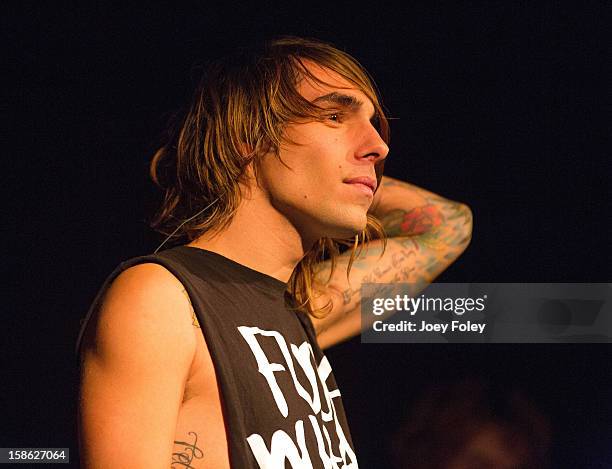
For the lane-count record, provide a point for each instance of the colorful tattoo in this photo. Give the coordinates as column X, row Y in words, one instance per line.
column 421, row 242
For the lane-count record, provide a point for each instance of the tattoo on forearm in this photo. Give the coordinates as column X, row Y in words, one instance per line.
column 414, row 222
column 188, row 452
column 446, row 224
column 401, row 266
column 193, row 314
column 422, row 241
column 348, row 294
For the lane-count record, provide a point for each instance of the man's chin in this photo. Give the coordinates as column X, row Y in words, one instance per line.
column 346, row 231
column 344, row 228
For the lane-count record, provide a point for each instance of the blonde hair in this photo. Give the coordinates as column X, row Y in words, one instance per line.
column 245, row 101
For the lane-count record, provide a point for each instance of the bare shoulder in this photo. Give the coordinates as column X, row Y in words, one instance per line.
column 145, row 305
column 136, row 358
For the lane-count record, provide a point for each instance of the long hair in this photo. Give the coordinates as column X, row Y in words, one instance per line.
column 238, row 113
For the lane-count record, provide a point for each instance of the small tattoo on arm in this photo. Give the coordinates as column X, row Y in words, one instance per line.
column 193, row 314
column 195, row 319
column 188, row 453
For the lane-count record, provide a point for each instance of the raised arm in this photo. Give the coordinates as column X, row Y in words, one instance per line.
column 426, row 233
column 135, row 361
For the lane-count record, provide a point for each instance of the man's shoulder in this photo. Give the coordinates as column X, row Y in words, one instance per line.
column 146, row 275
column 145, row 308
column 148, row 285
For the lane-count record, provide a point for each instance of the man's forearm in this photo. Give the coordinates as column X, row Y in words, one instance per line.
column 425, row 232
column 406, row 210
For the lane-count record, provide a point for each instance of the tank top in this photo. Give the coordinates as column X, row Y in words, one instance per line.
column 279, row 396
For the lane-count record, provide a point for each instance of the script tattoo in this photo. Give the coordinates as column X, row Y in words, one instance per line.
column 189, row 452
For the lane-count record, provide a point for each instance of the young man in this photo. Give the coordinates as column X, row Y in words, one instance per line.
column 208, row 354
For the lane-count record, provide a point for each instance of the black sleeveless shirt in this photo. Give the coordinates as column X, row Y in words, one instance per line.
column 280, row 399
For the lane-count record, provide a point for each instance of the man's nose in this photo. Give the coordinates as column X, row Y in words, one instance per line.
column 374, row 147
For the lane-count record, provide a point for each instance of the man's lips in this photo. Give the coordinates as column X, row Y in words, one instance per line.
column 369, row 183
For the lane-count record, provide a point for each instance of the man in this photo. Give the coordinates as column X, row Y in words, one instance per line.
column 209, row 354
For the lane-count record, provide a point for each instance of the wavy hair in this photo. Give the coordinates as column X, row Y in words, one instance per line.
column 244, row 101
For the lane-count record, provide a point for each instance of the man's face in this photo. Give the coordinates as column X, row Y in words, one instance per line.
column 314, row 193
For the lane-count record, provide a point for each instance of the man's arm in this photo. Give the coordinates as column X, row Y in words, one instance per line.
column 426, row 233
column 135, row 362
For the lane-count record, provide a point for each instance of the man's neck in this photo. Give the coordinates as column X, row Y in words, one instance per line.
column 258, row 237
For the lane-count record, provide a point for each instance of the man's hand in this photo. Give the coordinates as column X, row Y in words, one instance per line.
column 425, row 232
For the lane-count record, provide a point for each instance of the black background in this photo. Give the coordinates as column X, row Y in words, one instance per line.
column 502, row 105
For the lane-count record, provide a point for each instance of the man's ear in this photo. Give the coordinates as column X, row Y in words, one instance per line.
column 252, row 157
column 261, row 147
column 248, row 179
column 245, row 150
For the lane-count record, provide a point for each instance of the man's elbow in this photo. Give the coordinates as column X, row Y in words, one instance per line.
column 458, row 232
column 467, row 226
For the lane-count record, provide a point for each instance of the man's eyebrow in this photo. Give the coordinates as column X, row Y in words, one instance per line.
column 347, row 101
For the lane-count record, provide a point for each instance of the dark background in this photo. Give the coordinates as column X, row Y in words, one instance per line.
column 502, row 105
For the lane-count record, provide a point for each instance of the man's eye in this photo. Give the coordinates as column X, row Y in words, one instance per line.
column 336, row 117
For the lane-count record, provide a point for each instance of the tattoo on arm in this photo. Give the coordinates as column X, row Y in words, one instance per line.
column 193, row 314
column 440, row 225
column 434, row 219
column 440, row 221
column 185, row 456
column 422, row 240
